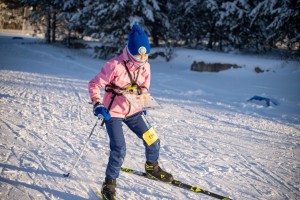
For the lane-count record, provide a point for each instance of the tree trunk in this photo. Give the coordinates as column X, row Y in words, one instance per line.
column 155, row 39
column 48, row 27
column 69, row 38
column 221, row 43
column 211, row 35
column 54, row 26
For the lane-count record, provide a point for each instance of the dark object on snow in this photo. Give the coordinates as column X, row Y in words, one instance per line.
column 263, row 99
column 211, row 67
column 17, row 38
column 258, row 70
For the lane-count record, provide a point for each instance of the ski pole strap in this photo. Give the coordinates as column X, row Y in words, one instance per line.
column 113, row 88
column 129, row 74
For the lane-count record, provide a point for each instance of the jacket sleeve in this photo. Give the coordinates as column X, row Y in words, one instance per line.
column 100, row 80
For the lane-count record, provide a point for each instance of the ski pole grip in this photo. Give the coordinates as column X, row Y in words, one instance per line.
column 100, row 117
column 102, row 123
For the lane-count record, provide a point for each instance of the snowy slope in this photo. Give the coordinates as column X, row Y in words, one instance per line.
column 211, row 136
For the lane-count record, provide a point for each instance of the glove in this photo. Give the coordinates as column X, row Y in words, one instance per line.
column 100, row 110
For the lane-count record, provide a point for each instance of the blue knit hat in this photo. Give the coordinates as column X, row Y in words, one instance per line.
column 138, row 43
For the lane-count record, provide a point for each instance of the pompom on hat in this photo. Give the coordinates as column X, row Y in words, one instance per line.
column 138, row 43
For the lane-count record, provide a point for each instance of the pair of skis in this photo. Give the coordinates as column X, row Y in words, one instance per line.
column 178, row 184
column 174, row 183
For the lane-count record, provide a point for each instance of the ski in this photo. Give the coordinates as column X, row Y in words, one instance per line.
column 98, row 194
column 178, row 184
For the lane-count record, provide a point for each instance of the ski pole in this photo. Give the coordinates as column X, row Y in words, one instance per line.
column 86, row 141
column 100, row 117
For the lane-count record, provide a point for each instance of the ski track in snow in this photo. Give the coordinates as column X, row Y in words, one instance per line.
column 45, row 120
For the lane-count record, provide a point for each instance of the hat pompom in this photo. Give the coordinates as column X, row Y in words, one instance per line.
column 138, row 41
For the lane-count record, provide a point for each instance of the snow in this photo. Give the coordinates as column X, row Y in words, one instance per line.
column 211, row 137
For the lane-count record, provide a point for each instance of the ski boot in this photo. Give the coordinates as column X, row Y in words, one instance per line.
column 108, row 190
column 153, row 171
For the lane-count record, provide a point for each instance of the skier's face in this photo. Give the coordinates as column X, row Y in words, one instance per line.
column 142, row 57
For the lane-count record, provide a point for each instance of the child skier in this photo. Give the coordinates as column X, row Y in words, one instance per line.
column 126, row 74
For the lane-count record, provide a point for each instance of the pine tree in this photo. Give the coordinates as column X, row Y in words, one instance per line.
column 234, row 19
column 261, row 24
column 196, row 22
column 69, row 17
column 187, row 21
column 284, row 22
column 43, row 15
column 112, row 21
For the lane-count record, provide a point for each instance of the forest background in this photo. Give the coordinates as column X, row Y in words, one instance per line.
column 230, row 25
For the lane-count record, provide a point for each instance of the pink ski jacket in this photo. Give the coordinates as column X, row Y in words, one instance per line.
column 115, row 72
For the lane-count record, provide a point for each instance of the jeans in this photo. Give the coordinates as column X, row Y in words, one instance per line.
column 138, row 124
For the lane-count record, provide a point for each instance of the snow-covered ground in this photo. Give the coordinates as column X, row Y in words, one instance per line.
column 211, row 136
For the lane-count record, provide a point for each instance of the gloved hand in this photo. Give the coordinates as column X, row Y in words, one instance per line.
column 145, row 112
column 99, row 109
